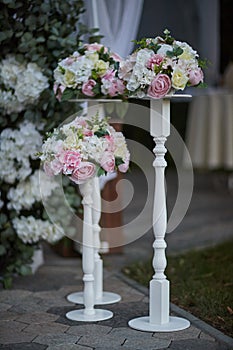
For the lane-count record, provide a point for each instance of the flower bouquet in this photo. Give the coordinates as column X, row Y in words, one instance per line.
column 85, row 148
column 160, row 66
column 92, row 71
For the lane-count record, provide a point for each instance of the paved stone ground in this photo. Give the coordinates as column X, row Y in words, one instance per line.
column 32, row 314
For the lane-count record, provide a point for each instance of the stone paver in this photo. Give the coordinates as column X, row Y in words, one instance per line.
column 95, row 341
column 8, row 326
column 191, row 344
column 45, row 328
column 24, row 346
column 11, row 336
column 90, row 329
column 39, row 317
column 69, row 347
column 13, row 296
column 4, row 306
column 57, row 339
column 189, row 333
column 150, row 344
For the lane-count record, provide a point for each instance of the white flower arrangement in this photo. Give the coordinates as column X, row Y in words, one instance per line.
column 85, row 148
column 21, row 84
column 26, row 193
column 160, row 66
column 17, row 146
column 32, row 231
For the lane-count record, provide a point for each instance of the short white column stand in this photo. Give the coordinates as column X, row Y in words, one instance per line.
column 101, row 297
column 89, row 313
column 159, row 319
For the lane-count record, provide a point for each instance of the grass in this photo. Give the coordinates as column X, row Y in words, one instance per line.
column 201, row 283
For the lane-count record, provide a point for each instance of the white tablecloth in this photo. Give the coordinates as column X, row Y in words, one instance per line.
column 209, row 134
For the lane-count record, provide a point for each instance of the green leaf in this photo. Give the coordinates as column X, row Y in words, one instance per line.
column 7, row 282
column 68, row 94
column 2, row 250
column 118, row 161
column 101, row 133
column 25, row 270
column 101, row 172
column 3, row 219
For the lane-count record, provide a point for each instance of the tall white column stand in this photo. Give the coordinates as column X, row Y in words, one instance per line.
column 89, row 313
column 159, row 319
column 101, row 297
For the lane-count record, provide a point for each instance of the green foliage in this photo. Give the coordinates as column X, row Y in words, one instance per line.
column 40, row 31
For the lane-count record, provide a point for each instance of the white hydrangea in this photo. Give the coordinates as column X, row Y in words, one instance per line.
column 93, row 148
column 27, row 192
column 16, row 147
column 77, row 71
column 141, row 75
column 31, row 230
column 23, row 83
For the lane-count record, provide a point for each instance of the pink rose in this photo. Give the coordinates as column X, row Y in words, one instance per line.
column 70, row 160
column 85, row 171
column 94, row 47
column 111, row 143
column 58, row 91
column 124, row 167
column 116, row 57
column 160, row 86
column 196, row 76
column 87, row 88
column 108, row 162
column 155, row 60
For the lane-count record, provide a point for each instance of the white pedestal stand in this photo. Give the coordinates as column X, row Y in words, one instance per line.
column 101, row 297
column 159, row 319
column 89, row 313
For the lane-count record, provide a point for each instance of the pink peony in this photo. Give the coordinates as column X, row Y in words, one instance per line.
column 70, row 160
column 87, row 88
column 160, row 86
column 155, row 60
column 108, row 162
column 85, row 171
column 196, row 76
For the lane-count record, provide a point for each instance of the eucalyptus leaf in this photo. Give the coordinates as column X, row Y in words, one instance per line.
column 2, row 250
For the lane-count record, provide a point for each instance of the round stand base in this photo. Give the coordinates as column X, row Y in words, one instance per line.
column 174, row 324
column 99, row 315
column 107, row 298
